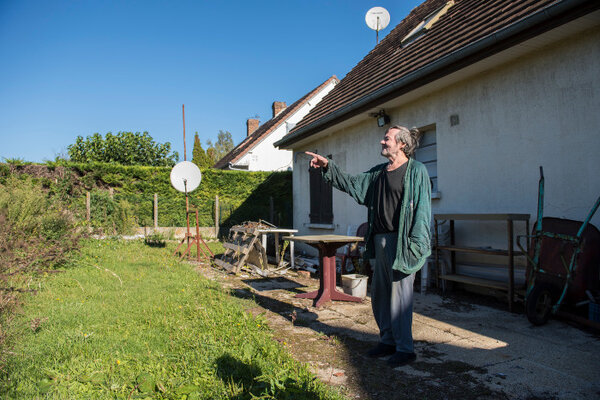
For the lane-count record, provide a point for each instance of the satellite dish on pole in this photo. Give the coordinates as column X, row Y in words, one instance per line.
column 377, row 18
column 185, row 176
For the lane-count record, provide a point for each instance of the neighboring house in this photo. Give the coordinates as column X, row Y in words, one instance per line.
column 498, row 87
column 256, row 152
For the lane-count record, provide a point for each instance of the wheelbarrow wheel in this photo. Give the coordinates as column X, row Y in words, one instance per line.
column 539, row 304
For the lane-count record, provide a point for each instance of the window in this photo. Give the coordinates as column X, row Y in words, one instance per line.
column 427, row 154
column 426, row 24
column 321, row 198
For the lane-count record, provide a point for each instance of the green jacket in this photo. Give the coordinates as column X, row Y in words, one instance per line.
column 414, row 235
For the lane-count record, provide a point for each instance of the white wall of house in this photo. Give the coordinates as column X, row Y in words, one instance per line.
column 266, row 157
column 541, row 109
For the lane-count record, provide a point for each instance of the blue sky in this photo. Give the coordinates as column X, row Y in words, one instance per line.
column 74, row 68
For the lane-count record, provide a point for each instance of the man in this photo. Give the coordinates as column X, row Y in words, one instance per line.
column 397, row 195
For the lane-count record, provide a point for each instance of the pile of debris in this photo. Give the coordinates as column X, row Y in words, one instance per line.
column 244, row 251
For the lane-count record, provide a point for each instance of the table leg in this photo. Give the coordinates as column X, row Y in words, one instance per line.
column 277, row 249
column 327, row 290
column 292, row 256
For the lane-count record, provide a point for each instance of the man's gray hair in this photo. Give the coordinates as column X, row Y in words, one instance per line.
column 410, row 137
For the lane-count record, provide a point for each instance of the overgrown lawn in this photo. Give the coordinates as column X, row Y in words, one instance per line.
column 130, row 321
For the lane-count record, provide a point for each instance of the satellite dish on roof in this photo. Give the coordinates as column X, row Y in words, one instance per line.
column 377, row 18
column 185, row 176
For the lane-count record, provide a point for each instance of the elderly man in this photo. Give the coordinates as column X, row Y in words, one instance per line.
column 397, row 195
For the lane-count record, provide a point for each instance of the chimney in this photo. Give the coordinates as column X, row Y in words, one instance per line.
column 278, row 106
column 252, row 124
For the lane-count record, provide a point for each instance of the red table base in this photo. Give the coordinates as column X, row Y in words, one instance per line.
column 327, row 289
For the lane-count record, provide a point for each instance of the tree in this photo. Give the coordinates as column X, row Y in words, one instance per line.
column 126, row 148
column 199, row 156
column 210, row 153
column 223, row 145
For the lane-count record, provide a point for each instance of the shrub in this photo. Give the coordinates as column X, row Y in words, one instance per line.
column 110, row 215
column 243, row 196
column 37, row 229
column 156, row 239
column 37, row 232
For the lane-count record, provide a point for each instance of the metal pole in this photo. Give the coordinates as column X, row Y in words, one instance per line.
column 197, row 237
column 184, row 152
column 187, row 214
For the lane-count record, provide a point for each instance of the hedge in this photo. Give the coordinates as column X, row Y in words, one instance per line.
column 243, row 196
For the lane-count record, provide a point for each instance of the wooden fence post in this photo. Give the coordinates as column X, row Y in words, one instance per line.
column 155, row 210
column 217, row 216
column 87, row 206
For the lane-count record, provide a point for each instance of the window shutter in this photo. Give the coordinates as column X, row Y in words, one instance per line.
column 315, row 194
column 326, row 202
column 321, row 198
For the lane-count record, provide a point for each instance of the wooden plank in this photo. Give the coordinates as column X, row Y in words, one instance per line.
column 342, row 239
column 241, row 229
column 236, row 248
column 483, row 217
column 224, row 264
column 480, row 250
column 475, row 281
column 242, row 260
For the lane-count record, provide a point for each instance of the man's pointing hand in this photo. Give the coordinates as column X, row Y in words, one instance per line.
column 317, row 161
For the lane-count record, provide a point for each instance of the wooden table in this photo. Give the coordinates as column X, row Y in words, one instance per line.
column 327, row 246
column 276, row 231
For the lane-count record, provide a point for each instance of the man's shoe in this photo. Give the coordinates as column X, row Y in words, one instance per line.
column 381, row 350
column 399, row 358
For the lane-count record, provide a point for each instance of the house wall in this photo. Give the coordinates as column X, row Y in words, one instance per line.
column 266, row 157
column 538, row 110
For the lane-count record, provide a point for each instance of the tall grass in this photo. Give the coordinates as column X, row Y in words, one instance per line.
column 37, row 233
column 130, row 321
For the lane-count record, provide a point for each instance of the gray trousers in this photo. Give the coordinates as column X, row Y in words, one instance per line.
column 392, row 295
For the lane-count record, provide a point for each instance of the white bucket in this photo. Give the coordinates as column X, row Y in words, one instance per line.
column 355, row 285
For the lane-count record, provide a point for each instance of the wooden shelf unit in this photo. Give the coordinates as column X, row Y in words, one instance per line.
column 509, row 252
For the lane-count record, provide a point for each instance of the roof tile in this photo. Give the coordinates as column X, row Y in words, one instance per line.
column 465, row 23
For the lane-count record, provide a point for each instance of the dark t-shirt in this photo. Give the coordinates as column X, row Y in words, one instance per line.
column 388, row 192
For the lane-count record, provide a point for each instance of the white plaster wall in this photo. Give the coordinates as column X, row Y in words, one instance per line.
column 541, row 109
column 266, row 157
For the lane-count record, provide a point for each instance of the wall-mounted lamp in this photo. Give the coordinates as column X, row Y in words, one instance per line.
column 382, row 118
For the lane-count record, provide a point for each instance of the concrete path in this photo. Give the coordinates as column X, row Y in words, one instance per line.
column 504, row 351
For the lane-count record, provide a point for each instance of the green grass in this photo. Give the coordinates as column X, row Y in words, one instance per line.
column 130, row 321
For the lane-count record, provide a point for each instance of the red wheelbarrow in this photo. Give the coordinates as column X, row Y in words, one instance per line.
column 563, row 269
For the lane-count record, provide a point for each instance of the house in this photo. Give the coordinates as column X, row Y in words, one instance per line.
column 497, row 88
column 256, row 152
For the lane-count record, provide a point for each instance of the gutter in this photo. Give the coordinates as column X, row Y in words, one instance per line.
column 233, row 168
column 515, row 33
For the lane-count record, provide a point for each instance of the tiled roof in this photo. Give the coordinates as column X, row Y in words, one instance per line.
column 470, row 31
column 265, row 129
